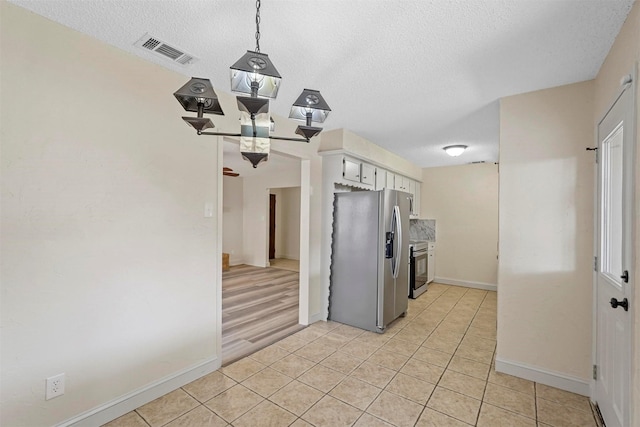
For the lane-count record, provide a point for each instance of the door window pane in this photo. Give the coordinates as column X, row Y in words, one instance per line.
column 611, row 215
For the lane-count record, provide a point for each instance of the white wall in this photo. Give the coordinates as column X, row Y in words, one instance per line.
column 317, row 279
column 287, row 238
column 256, row 210
column 232, row 212
column 464, row 202
column 108, row 264
column 546, row 231
column 620, row 60
column 289, row 222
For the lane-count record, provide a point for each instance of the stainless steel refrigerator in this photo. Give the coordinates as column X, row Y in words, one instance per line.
column 369, row 283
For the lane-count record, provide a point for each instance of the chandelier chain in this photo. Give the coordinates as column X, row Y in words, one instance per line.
column 258, row 26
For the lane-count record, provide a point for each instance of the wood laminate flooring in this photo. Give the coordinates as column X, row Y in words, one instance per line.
column 259, row 307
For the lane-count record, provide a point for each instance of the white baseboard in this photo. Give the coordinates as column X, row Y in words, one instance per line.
column 543, row 376
column 130, row 401
column 466, row 284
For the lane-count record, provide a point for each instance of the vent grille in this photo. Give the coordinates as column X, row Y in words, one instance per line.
column 157, row 46
column 151, row 44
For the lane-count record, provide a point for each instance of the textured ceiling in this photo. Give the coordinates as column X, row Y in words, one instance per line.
column 409, row 75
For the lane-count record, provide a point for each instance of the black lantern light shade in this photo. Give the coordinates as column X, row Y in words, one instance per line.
column 309, row 107
column 255, row 75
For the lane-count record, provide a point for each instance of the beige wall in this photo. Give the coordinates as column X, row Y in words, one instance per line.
column 108, row 263
column 232, row 217
column 546, row 230
column 619, row 62
column 107, row 257
column 464, row 202
column 546, row 203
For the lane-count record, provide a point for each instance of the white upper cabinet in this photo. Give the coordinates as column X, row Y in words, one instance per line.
column 357, row 171
column 416, row 199
column 367, row 174
column 381, row 179
column 411, row 188
column 391, row 180
column 351, row 170
column 402, row 183
column 399, row 181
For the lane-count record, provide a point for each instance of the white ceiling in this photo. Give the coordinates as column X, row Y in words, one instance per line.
column 409, row 75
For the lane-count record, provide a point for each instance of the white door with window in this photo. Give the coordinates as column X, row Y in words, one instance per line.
column 616, row 142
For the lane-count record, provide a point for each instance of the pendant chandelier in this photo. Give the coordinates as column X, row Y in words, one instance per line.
column 254, row 75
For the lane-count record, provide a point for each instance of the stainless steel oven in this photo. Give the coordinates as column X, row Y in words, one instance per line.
column 418, row 259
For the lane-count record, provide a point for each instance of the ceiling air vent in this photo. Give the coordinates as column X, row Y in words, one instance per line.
column 161, row 48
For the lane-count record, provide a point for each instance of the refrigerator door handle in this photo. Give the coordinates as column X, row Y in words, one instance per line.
column 398, row 254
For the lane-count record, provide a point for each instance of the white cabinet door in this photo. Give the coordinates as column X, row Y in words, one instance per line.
column 404, row 184
column 381, row 179
column 391, row 181
column 368, row 174
column 399, row 183
column 351, row 170
column 431, row 266
column 411, row 187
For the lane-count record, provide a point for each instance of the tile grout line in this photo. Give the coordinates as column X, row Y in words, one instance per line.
column 143, row 418
column 486, row 384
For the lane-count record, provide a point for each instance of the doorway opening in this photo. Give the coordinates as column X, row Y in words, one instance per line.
column 260, row 304
column 284, row 228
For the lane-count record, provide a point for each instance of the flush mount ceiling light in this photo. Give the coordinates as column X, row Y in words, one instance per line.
column 455, row 150
column 255, row 75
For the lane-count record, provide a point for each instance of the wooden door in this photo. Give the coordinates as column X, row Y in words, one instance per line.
column 272, row 226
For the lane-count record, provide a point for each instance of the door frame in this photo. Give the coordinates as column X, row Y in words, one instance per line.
column 272, row 227
column 635, row 308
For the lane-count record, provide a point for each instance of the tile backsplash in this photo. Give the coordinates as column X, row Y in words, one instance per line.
column 422, row 229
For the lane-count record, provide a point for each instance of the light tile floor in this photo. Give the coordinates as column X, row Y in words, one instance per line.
column 434, row 367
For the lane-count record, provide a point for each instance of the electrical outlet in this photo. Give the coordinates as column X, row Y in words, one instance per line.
column 55, row 386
